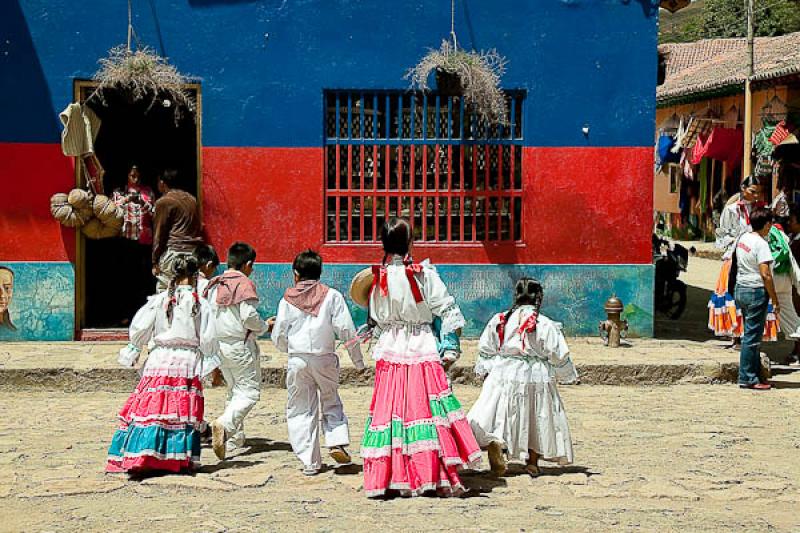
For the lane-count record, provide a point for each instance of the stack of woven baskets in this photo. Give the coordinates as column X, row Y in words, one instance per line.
column 97, row 216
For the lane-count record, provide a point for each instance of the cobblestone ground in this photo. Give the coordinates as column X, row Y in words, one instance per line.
column 687, row 457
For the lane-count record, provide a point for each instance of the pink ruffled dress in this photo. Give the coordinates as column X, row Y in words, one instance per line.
column 417, row 435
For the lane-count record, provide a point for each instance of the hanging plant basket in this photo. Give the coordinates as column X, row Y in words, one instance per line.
column 144, row 75
column 473, row 75
column 448, row 83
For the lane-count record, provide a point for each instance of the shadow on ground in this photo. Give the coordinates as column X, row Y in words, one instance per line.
column 261, row 445
column 693, row 323
column 693, row 326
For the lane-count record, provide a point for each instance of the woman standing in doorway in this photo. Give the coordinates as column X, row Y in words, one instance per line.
column 724, row 319
column 136, row 201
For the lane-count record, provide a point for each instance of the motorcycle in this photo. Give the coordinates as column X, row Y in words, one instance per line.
column 670, row 259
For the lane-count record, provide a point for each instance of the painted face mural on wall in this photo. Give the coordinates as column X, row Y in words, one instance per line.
column 6, row 293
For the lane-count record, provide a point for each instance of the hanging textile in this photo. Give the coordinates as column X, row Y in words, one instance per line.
column 780, row 133
column 686, row 165
column 664, row 152
column 680, row 135
column 702, row 177
column 723, row 144
column 80, row 130
column 762, row 145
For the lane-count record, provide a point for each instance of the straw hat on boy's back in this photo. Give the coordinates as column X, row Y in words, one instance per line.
column 361, row 286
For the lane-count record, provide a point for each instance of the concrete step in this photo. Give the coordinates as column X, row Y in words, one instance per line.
column 91, row 366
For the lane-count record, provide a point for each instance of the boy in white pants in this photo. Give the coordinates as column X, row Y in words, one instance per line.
column 310, row 317
column 237, row 324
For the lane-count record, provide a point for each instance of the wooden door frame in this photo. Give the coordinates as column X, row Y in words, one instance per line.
column 78, row 87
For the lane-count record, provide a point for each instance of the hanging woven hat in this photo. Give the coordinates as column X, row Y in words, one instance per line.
column 95, row 229
column 63, row 211
column 105, row 209
column 80, row 199
column 361, row 286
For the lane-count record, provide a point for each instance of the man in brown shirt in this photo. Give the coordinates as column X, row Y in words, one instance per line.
column 176, row 227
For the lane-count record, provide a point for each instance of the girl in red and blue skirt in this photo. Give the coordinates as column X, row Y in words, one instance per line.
column 417, row 436
column 160, row 424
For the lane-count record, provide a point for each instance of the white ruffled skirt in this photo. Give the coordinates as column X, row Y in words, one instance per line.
column 519, row 407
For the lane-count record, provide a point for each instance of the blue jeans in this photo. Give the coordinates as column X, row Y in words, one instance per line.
column 753, row 303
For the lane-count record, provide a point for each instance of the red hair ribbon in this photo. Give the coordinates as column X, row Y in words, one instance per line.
column 381, row 281
column 501, row 328
column 529, row 326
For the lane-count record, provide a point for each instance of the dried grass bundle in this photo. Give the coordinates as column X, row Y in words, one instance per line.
column 479, row 74
column 144, row 74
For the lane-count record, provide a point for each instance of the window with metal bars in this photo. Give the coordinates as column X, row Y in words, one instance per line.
column 425, row 157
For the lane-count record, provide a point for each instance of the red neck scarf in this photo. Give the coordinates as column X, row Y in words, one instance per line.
column 381, row 281
column 233, row 288
column 307, row 296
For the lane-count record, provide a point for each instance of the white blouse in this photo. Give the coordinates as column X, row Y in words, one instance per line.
column 185, row 331
column 733, row 223
column 298, row 332
column 399, row 308
column 233, row 323
column 545, row 344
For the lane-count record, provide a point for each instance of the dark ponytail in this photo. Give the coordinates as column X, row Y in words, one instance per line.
column 750, row 181
column 396, row 237
column 184, row 267
column 527, row 291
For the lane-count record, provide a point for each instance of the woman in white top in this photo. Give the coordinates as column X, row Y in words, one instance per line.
column 161, row 423
column 724, row 319
column 519, row 410
column 417, row 436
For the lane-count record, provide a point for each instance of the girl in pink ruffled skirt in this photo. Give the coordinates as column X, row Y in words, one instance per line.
column 417, row 436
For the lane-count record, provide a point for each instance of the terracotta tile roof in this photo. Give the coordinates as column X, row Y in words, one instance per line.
column 718, row 63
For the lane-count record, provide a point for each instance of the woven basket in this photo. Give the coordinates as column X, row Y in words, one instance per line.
column 105, row 209
column 63, row 211
column 80, row 199
column 95, row 229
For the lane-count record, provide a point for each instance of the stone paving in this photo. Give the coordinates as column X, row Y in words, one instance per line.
column 688, row 457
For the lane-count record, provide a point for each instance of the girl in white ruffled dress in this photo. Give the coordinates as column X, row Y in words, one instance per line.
column 519, row 411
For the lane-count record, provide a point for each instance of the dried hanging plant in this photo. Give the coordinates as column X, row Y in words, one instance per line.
column 144, row 74
column 479, row 74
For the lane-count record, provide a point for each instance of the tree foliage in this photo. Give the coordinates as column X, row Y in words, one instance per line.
column 727, row 18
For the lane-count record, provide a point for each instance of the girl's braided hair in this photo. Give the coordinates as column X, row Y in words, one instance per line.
column 184, row 267
column 527, row 291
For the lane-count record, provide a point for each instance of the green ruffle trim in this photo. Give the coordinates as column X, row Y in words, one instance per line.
column 443, row 406
column 420, row 431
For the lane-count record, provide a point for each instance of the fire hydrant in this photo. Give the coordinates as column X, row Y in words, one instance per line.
column 613, row 328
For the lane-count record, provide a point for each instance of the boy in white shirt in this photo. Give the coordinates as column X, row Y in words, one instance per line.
column 754, row 289
column 233, row 299
column 310, row 317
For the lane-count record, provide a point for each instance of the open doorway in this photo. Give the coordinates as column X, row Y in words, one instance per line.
column 115, row 274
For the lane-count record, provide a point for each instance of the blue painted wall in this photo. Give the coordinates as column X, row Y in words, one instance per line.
column 43, row 306
column 264, row 64
column 574, row 294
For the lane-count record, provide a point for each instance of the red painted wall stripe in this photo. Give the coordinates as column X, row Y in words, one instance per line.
column 582, row 206
column 269, row 197
column 29, row 175
column 588, row 205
